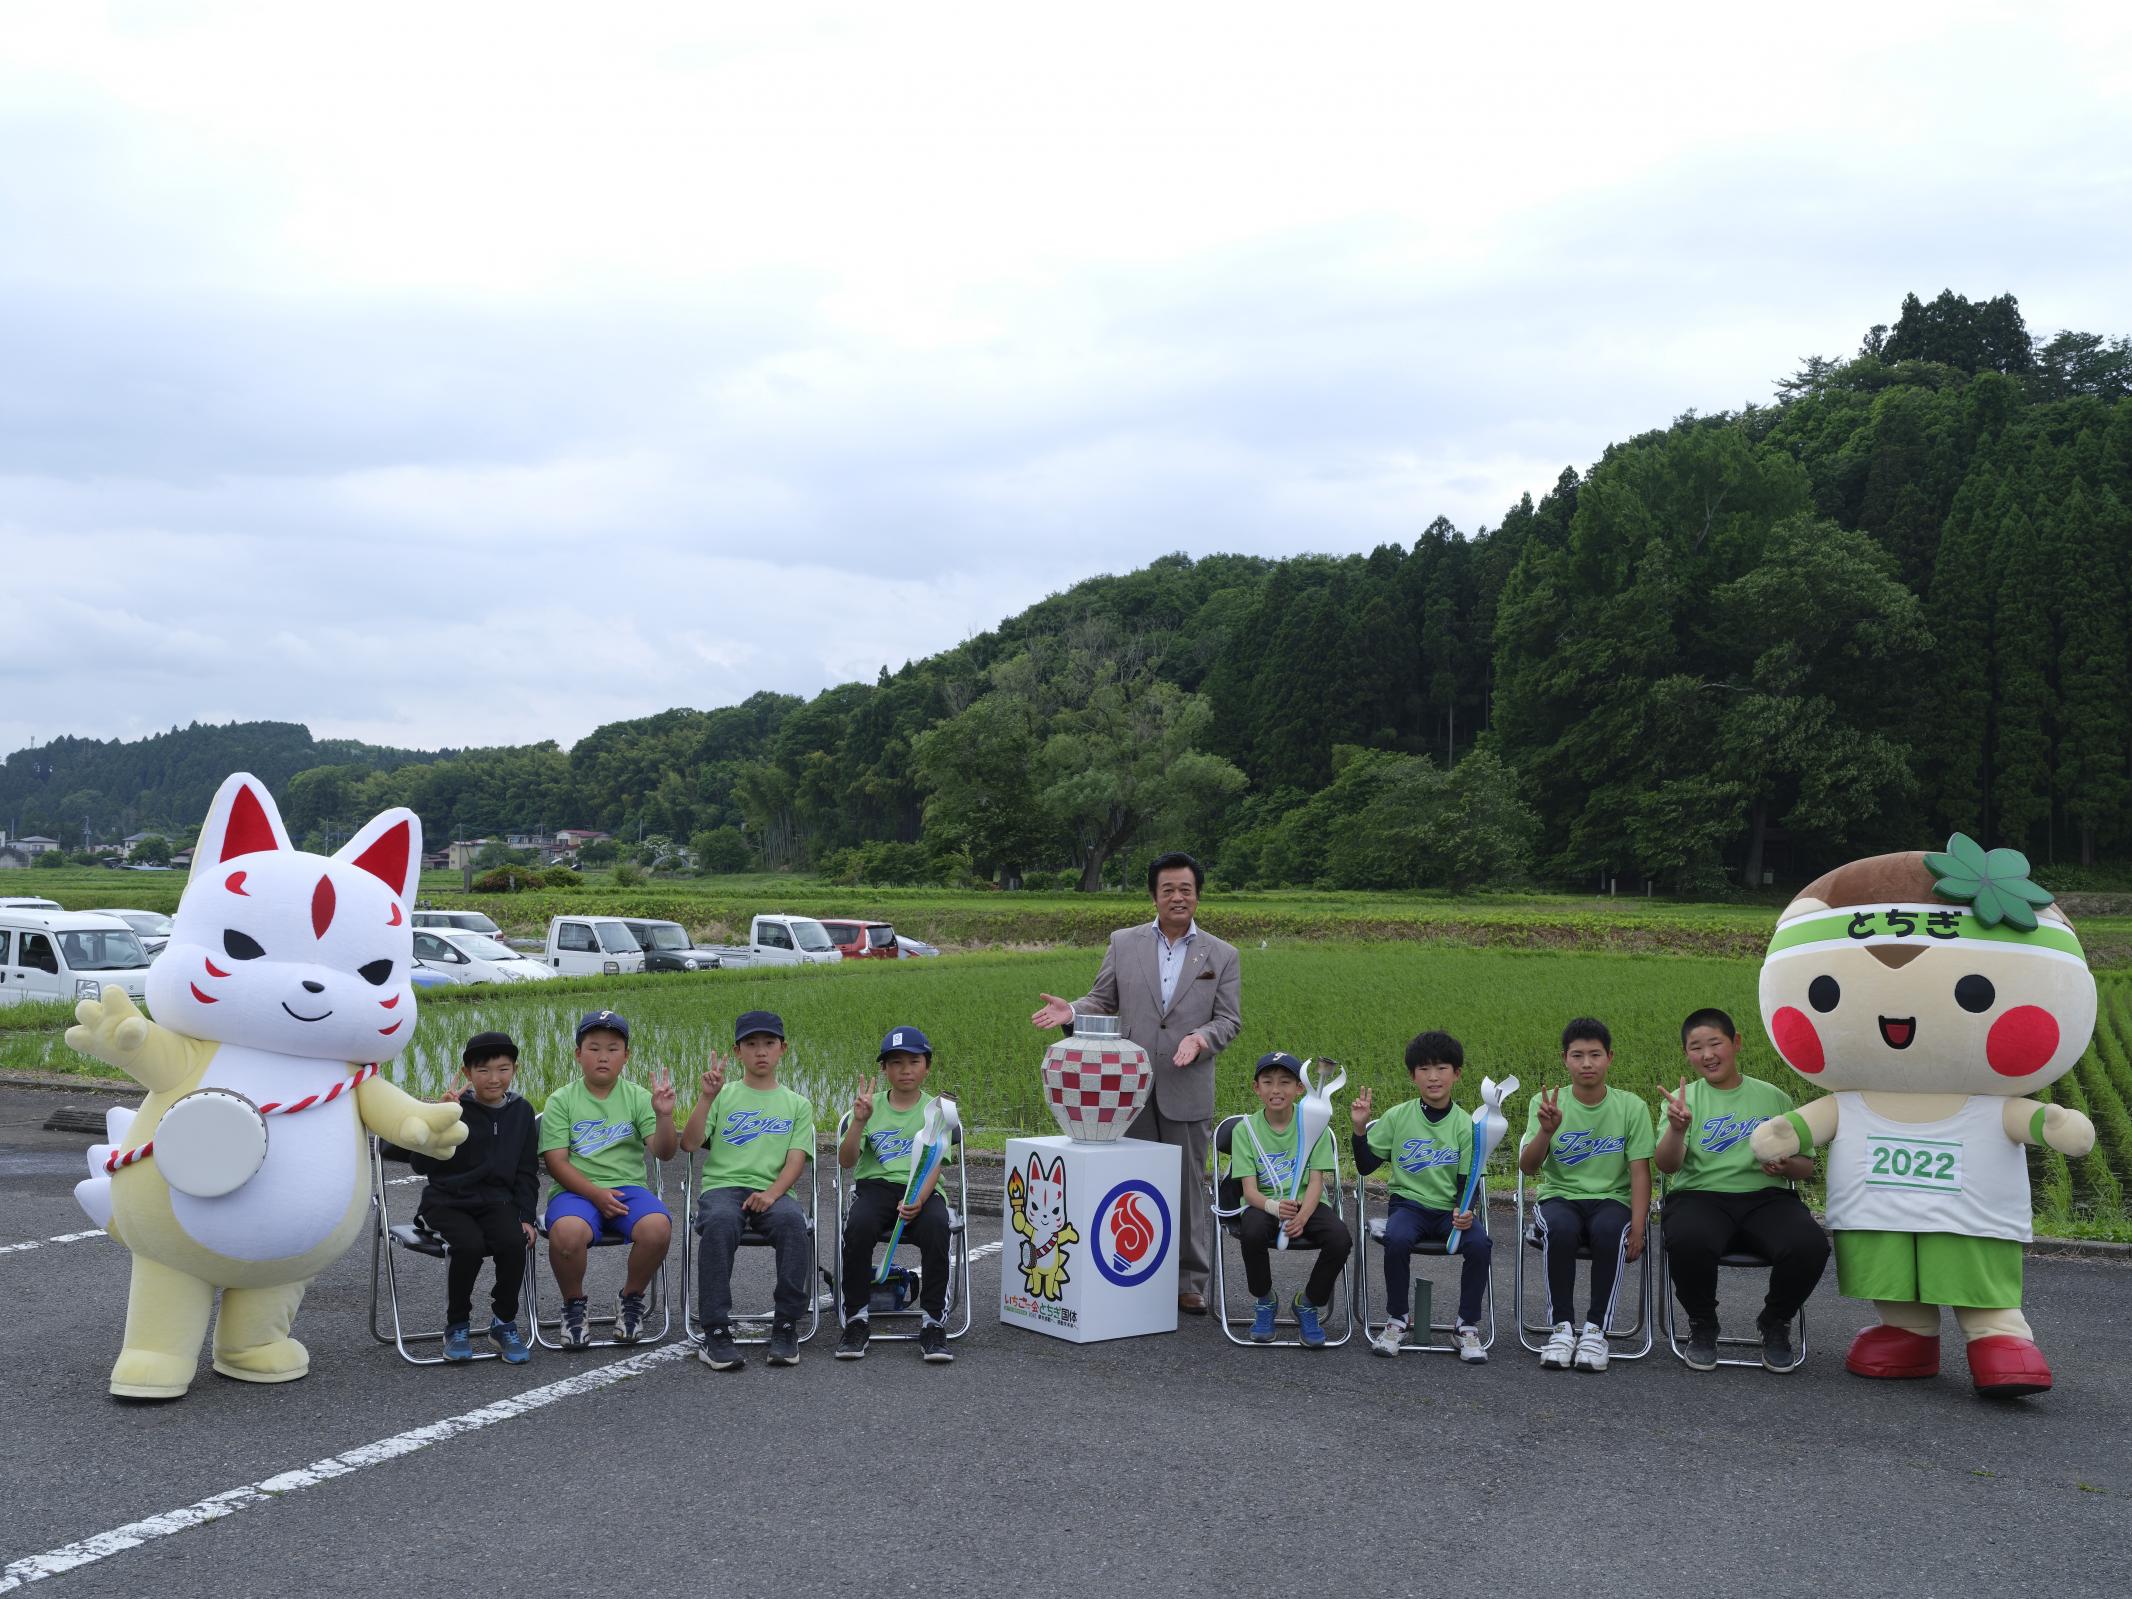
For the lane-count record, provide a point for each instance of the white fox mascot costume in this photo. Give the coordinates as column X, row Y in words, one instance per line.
column 244, row 1168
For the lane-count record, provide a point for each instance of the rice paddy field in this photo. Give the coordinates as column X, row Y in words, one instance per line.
column 1355, row 1000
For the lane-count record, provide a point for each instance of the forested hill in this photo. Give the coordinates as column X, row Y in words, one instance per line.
column 1890, row 603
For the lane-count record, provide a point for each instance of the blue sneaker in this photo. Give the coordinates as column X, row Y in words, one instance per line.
column 1262, row 1320
column 457, row 1345
column 509, row 1343
column 1306, row 1317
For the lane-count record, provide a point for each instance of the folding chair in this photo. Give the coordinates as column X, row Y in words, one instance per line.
column 1739, row 1257
column 1225, row 1193
column 1638, row 1337
column 958, row 1252
column 655, row 1303
column 692, row 1310
column 387, row 1238
column 1372, row 1232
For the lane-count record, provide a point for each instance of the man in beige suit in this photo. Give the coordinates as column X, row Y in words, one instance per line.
column 1176, row 990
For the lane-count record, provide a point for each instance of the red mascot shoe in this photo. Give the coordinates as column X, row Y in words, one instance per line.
column 1891, row 1352
column 2005, row 1367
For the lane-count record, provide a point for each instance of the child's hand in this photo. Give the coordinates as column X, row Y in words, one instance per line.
column 757, row 1201
column 1293, row 1224
column 862, row 1103
column 449, row 1097
column 1359, row 1111
column 1462, row 1220
column 907, row 1212
column 609, row 1203
column 1290, row 1208
column 1634, row 1249
column 662, row 1091
column 713, row 1078
column 532, row 1233
column 1550, row 1112
column 1677, row 1107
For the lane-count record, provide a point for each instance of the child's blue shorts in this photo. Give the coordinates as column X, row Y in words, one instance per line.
column 641, row 1201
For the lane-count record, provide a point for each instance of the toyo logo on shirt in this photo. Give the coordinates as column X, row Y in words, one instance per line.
column 1574, row 1149
column 1276, row 1168
column 1423, row 1154
column 1720, row 1133
column 745, row 1126
column 889, row 1143
column 590, row 1137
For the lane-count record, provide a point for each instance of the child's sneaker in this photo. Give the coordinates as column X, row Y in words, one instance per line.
column 1591, row 1348
column 509, row 1342
column 719, row 1352
column 458, row 1344
column 1560, row 1347
column 576, row 1335
column 852, row 1346
column 1306, row 1320
column 1388, row 1341
column 1469, row 1346
column 1262, row 1314
column 784, row 1344
column 628, row 1318
column 1702, row 1345
column 1777, row 1351
column 933, row 1343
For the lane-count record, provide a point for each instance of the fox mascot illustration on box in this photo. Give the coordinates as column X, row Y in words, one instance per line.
column 1037, row 1205
column 1930, row 992
column 285, row 983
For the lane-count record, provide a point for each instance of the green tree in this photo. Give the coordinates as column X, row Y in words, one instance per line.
column 721, row 850
column 980, row 767
column 154, row 850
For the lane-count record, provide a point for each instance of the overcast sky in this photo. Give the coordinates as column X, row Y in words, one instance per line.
column 449, row 374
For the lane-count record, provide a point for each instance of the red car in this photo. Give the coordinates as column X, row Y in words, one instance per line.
column 861, row 940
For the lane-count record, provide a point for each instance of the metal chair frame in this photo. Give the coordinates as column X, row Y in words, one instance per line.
column 1335, row 1193
column 1640, row 1335
column 1739, row 1259
column 692, row 1311
column 1372, row 1231
column 386, row 1238
column 958, row 1249
column 656, row 1301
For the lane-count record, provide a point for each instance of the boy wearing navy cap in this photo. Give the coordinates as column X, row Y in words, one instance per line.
column 1263, row 1156
column 593, row 1136
column 756, row 1136
column 877, row 1149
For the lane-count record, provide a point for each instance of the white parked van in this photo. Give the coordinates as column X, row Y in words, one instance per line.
column 464, row 921
column 592, row 946
column 780, row 940
column 68, row 956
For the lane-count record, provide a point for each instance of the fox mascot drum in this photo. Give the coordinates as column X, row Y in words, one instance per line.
column 1931, row 993
column 285, row 983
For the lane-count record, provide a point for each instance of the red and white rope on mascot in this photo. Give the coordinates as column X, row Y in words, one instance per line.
column 363, row 1074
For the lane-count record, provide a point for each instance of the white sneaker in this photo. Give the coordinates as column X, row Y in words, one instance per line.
column 1469, row 1347
column 1388, row 1341
column 1591, row 1348
column 1560, row 1347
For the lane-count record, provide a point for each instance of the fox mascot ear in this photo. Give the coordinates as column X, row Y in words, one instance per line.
column 389, row 848
column 241, row 821
column 1036, row 1170
column 1057, row 1174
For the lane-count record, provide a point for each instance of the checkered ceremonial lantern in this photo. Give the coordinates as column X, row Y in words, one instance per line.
column 1096, row 1081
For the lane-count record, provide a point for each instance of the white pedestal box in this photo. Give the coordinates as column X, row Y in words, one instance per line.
column 1090, row 1238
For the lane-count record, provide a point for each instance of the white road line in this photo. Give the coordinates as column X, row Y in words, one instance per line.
column 35, row 1568
column 54, row 1562
column 57, row 1238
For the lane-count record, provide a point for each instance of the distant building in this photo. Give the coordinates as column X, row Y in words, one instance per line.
column 459, row 855
column 576, row 837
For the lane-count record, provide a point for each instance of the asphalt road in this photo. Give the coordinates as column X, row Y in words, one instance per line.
column 1173, row 1465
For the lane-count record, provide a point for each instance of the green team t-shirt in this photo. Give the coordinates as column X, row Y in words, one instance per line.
column 1716, row 1155
column 1272, row 1158
column 603, row 1137
column 1590, row 1155
column 886, row 1142
column 749, row 1133
column 1429, row 1159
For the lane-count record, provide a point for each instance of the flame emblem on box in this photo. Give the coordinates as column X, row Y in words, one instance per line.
column 1132, row 1233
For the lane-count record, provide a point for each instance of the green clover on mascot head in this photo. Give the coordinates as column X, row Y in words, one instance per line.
column 1931, row 994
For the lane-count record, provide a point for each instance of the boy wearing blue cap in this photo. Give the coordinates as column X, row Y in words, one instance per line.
column 877, row 1149
column 1264, row 1158
column 593, row 1137
column 756, row 1136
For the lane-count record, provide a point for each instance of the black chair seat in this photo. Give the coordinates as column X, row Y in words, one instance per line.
column 409, row 1236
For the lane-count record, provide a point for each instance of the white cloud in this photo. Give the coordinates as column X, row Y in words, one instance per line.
column 663, row 356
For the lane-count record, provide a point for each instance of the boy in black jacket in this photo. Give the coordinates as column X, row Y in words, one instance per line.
column 480, row 1201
